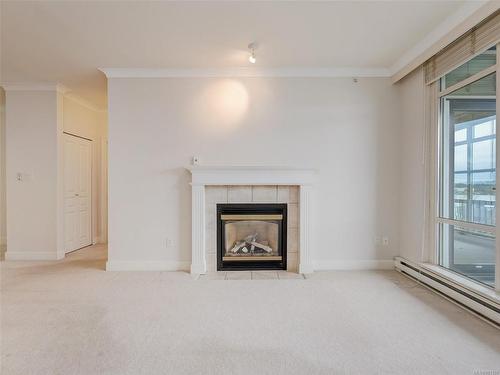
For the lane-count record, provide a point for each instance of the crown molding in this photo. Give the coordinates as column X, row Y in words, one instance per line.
column 35, row 86
column 83, row 102
column 451, row 28
column 57, row 87
column 244, row 72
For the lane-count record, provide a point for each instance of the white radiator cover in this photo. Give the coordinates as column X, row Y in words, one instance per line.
column 486, row 308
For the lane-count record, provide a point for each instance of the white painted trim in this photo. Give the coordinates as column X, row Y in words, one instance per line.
column 198, row 235
column 305, row 227
column 40, row 86
column 121, row 265
column 468, row 283
column 251, row 175
column 33, row 255
column 245, row 72
column 451, row 289
column 36, row 86
column 331, row 265
column 83, row 102
column 458, row 23
column 497, row 213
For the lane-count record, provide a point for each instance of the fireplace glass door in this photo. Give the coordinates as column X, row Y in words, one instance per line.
column 251, row 236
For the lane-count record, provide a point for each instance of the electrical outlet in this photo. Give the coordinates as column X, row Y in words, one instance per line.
column 385, row 241
column 169, row 242
column 195, row 160
column 378, row 240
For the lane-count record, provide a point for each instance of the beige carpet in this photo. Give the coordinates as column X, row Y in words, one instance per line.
column 71, row 317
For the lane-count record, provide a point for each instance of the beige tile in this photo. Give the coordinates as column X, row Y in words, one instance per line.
column 286, row 275
column 216, row 194
column 240, row 194
column 210, row 240
column 212, row 262
column 211, row 212
column 210, row 215
column 264, row 275
column 288, row 194
column 213, row 276
column 293, row 215
column 238, row 275
column 293, row 194
column 264, row 194
column 210, row 228
column 210, row 209
column 293, row 240
column 292, row 262
column 283, row 194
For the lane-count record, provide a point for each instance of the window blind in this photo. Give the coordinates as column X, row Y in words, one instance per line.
column 477, row 40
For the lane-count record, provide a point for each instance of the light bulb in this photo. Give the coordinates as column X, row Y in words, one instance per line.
column 252, row 59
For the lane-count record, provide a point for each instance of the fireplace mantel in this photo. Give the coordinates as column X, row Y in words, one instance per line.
column 251, row 175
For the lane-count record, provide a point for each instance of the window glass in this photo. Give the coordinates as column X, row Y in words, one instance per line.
column 461, row 158
column 468, row 180
column 484, row 129
column 471, row 67
column 468, row 252
column 483, row 154
column 460, row 135
column 484, row 87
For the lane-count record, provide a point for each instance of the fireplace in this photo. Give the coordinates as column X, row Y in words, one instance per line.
column 251, row 236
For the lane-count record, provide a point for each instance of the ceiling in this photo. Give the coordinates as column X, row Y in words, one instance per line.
column 66, row 42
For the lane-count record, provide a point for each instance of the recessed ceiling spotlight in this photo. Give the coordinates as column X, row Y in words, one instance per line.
column 251, row 58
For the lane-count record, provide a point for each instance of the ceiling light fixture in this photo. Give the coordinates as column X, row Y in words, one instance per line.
column 252, row 58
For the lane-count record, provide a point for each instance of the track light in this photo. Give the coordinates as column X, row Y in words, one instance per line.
column 252, row 58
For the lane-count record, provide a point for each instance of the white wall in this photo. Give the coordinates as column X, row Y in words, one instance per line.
column 33, row 125
column 349, row 131
column 80, row 120
column 3, row 217
column 35, row 122
column 103, row 181
column 412, row 181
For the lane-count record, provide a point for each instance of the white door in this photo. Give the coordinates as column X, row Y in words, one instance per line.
column 77, row 193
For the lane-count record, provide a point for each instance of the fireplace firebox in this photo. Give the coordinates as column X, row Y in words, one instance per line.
column 251, row 236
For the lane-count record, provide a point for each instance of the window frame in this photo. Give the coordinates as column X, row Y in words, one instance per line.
column 438, row 170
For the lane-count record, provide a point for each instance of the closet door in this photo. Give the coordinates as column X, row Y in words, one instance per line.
column 77, row 192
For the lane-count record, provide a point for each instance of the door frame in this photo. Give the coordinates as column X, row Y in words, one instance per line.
column 92, row 242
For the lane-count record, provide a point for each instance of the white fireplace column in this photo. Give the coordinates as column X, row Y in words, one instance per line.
column 233, row 176
column 198, row 262
column 305, row 238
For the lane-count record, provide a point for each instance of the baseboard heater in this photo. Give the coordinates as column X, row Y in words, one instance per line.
column 480, row 305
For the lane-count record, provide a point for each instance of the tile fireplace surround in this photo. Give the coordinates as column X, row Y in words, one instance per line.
column 249, row 184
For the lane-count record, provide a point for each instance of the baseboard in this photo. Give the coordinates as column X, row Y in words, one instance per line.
column 126, row 265
column 474, row 301
column 31, row 255
column 331, row 265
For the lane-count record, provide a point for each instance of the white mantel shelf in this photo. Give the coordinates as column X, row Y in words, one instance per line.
column 251, row 175
column 205, row 175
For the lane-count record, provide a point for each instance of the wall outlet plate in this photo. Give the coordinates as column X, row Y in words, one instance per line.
column 195, row 160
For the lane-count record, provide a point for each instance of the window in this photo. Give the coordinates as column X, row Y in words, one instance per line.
column 471, row 67
column 467, row 169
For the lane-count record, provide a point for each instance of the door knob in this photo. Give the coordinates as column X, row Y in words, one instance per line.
column 77, row 195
